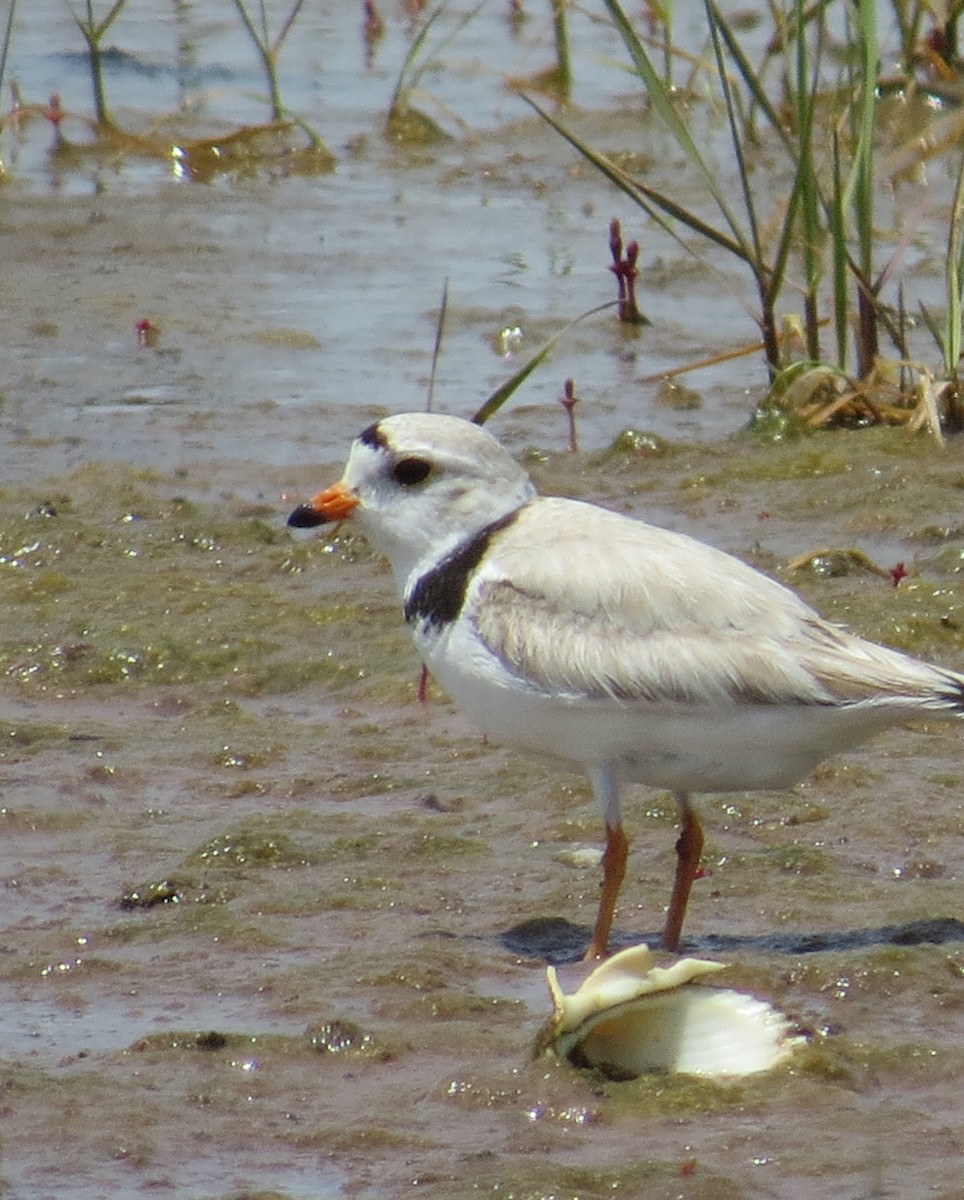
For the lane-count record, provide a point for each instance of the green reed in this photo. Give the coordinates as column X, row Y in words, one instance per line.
column 824, row 226
column 7, row 35
column 404, row 121
column 269, row 47
column 560, row 37
column 511, row 385
column 93, row 31
column 859, row 191
column 947, row 332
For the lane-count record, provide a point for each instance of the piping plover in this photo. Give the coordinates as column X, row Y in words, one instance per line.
column 632, row 652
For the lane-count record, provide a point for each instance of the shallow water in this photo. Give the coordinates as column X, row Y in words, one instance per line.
column 299, row 304
column 335, row 998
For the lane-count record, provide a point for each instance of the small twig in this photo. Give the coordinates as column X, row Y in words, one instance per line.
column 569, row 400
column 724, row 356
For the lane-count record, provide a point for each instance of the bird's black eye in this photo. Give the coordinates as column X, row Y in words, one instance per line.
column 409, row 471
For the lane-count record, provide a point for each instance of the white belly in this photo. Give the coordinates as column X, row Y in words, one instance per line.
column 718, row 747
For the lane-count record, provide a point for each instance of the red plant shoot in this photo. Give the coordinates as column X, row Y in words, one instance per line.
column 53, row 111
column 624, row 268
column 147, row 333
column 373, row 26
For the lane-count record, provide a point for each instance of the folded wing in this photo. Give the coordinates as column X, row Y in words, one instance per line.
column 633, row 612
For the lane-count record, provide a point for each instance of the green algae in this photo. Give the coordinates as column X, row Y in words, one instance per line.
column 946, row 780
column 253, row 1194
column 164, row 599
column 288, row 838
column 867, row 1065
column 637, row 443
column 348, row 1041
column 30, row 819
column 545, row 1178
column 256, row 844
column 794, row 858
column 425, row 846
column 671, row 1096
column 72, row 968
column 172, row 889
column 789, row 462
column 245, row 757
column 947, row 563
column 217, row 1042
column 335, row 1039
column 836, row 562
column 31, row 736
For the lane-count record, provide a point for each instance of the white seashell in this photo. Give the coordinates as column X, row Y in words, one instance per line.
column 628, row 1017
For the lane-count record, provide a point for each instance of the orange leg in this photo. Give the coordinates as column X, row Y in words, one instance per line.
column 614, row 871
column 689, row 847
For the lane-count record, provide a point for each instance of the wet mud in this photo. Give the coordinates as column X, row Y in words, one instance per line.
column 272, row 927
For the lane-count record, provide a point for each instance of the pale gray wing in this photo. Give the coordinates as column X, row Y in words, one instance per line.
column 579, row 600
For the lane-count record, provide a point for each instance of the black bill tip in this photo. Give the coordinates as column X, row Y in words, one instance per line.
column 305, row 517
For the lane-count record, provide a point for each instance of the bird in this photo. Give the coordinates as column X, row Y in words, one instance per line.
column 629, row 651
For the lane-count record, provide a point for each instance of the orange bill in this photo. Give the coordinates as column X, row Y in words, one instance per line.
column 333, row 504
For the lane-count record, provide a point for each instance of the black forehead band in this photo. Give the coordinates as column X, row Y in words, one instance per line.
column 374, row 437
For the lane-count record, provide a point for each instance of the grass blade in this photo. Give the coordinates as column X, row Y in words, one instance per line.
column 7, row 34
column 662, row 102
column 749, row 76
column 648, row 198
column 412, row 71
column 505, row 390
column 838, row 256
column 443, row 309
column 955, row 279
